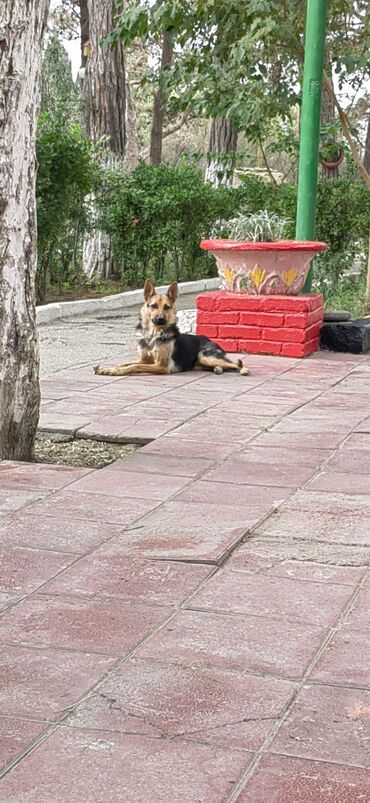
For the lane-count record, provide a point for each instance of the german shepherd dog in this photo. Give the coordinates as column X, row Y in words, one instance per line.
column 163, row 349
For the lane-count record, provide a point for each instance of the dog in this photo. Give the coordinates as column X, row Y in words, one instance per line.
column 163, row 349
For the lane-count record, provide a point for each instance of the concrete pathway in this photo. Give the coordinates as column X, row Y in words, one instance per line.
column 191, row 624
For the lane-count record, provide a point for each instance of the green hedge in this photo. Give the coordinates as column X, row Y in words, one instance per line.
column 156, row 217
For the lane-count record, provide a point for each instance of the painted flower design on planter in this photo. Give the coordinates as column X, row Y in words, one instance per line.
column 257, row 277
column 289, row 277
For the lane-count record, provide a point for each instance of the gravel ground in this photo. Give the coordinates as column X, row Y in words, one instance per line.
column 85, row 453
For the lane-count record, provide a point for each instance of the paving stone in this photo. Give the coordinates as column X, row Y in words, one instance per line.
column 245, row 560
column 15, row 736
column 11, row 501
column 359, row 615
column 24, row 570
column 55, row 533
column 130, row 483
column 346, row 660
column 152, row 463
column 328, row 723
column 89, row 765
column 241, row 469
column 278, row 598
column 240, row 430
column 322, row 520
column 37, row 475
column 209, row 705
column 132, row 580
column 258, row 499
column 330, row 424
column 62, row 421
column 7, row 599
column 208, row 448
column 78, row 624
column 285, row 547
column 128, row 427
column 256, row 453
column 350, row 460
column 241, row 643
column 339, row 482
column 93, row 507
column 300, row 441
column 43, row 684
column 181, row 531
column 279, row 779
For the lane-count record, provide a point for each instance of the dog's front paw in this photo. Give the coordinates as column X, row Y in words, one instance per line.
column 244, row 371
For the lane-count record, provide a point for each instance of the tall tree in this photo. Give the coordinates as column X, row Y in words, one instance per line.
column 21, row 40
column 223, row 142
column 106, row 107
column 159, row 106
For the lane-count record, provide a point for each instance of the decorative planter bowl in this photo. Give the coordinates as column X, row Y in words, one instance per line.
column 263, row 268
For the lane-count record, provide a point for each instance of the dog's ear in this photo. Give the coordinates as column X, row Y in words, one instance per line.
column 149, row 289
column 172, row 292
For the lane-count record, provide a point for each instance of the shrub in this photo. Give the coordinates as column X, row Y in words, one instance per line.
column 156, row 217
column 66, row 174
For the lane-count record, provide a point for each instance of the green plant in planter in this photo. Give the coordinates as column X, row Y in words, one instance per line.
column 331, row 152
column 261, row 227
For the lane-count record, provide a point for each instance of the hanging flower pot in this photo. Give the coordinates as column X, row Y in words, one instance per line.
column 262, row 267
column 331, row 154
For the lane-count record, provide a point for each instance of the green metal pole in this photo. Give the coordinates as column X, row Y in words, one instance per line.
column 310, row 123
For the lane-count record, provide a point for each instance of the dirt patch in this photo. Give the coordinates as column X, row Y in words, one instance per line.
column 84, row 291
column 85, row 453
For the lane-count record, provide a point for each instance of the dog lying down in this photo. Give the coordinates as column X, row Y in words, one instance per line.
column 163, row 349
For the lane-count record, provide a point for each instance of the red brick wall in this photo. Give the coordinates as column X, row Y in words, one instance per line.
column 285, row 325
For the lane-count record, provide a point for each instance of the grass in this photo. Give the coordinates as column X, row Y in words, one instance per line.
column 348, row 295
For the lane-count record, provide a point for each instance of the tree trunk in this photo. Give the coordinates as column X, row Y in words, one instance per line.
column 223, row 143
column 328, row 117
column 156, row 134
column 367, row 148
column 21, row 37
column 105, row 98
column 84, row 30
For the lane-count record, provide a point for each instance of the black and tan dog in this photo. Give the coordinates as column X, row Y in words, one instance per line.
column 163, row 349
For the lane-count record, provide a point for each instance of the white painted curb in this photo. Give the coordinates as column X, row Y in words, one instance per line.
column 66, row 309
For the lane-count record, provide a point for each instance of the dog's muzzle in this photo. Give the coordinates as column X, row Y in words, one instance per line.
column 159, row 321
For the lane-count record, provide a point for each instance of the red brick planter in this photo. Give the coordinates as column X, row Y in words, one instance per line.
column 288, row 326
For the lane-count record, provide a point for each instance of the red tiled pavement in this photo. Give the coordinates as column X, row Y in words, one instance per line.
column 209, row 705
column 275, row 597
column 192, row 620
column 71, row 623
column 15, row 736
column 43, row 684
column 89, row 765
column 132, row 580
column 242, row 643
column 327, row 723
column 279, row 779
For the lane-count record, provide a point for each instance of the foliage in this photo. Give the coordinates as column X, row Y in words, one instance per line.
column 243, row 58
column 260, row 227
column 66, row 174
column 58, row 90
column 156, row 217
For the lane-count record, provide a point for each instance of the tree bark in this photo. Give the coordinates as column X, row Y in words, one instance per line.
column 223, row 143
column 104, row 83
column 367, row 148
column 21, row 38
column 328, row 117
column 105, row 103
column 156, row 134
